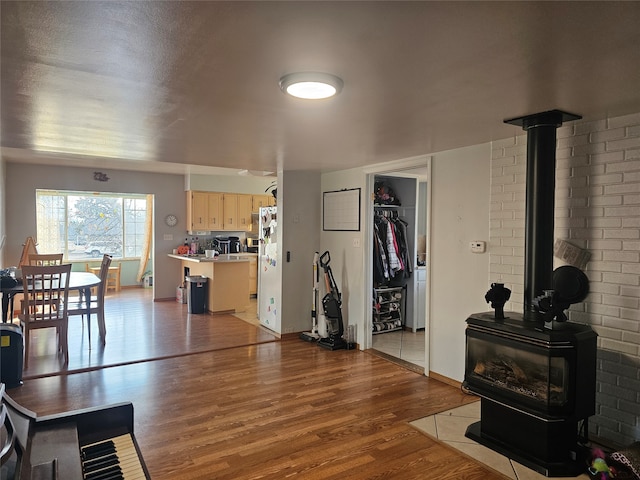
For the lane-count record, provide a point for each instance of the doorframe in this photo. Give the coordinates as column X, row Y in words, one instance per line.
column 420, row 169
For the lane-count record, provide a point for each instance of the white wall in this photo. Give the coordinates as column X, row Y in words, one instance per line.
column 228, row 183
column 457, row 278
column 348, row 262
column 298, row 217
column 22, row 180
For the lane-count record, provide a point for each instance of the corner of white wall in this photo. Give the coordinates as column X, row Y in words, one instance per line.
column 460, row 205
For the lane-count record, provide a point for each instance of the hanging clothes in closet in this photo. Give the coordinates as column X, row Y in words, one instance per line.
column 392, row 265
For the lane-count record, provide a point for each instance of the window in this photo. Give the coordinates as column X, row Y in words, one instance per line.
column 86, row 225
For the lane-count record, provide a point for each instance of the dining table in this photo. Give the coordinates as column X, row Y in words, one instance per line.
column 83, row 282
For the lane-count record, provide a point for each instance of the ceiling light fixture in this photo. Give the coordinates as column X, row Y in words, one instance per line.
column 255, row 173
column 311, row 85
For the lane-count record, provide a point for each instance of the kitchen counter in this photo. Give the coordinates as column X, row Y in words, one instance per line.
column 233, row 257
column 228, row 279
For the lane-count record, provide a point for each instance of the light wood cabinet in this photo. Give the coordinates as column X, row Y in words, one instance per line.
column 253, row 275
column 237, row 212
column 230, row 211
column 197, row 210
column 227, row 284
column 204, row 211
column 262, row 201
column 215, row 211
column 244, row 212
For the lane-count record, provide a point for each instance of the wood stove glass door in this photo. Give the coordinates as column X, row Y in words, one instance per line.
column 537, row 376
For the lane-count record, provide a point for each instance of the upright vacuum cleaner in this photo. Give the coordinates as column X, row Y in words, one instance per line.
column 313, row 335
column 331, row 304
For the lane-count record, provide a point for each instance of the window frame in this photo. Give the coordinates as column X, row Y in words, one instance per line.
column 129, row 219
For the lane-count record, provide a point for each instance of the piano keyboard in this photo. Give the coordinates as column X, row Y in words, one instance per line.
column 111, row 459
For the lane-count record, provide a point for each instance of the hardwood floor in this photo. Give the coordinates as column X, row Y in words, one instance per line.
column 138, row 329
column 267, row 410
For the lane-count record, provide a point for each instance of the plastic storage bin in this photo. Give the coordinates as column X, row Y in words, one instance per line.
column 11, row 355
column 196, row 293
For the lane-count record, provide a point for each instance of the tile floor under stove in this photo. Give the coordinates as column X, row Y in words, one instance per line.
column 450, row 426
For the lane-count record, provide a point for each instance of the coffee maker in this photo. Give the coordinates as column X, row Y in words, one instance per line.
column 222, row 244
column 234, row 245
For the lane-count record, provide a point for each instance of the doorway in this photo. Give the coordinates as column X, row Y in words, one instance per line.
column 398, row 322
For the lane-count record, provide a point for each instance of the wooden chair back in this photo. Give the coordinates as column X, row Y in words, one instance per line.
column 46, row 295
column 95, row 304
column 45, row 259
column 113, row 278
column 28, row 248
column 104, row 276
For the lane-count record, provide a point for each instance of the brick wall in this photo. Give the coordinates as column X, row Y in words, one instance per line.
column 597, row 209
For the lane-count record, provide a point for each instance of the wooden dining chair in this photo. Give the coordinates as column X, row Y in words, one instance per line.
column 46, row 293
column 78, row 306
column 42, row 259
column 45, row 259
column 113, row 279
column 12, row 439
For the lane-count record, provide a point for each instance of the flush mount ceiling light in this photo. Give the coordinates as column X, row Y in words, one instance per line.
column 311, row 85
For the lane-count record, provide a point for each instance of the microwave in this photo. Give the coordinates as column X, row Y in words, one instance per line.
column 252, row 245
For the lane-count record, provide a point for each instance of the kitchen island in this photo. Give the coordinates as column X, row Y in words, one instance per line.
column 228, row 279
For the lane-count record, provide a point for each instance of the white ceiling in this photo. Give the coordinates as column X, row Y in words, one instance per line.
column 185, row 86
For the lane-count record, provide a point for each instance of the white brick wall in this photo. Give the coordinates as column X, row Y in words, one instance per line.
column 598, row 209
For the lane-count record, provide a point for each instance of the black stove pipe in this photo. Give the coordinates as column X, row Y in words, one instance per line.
column 540, row 203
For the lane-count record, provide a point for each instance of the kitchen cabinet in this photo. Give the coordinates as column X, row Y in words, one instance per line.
column 230, row 211
column 236, row 208
column 262, row 201
column 244, row 212
column 197, row 210
column 253, row 275
column 204, row 211
column 227, row 284
column 215, row 211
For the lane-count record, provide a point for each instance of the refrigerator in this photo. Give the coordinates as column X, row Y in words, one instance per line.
column 269, row 278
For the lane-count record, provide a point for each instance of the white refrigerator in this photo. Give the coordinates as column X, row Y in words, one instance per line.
column 269, row 270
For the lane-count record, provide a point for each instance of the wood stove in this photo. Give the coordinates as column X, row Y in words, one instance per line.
column 534, row 371
column 537, row 387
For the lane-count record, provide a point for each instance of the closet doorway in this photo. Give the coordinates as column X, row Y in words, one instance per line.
column 398, row 215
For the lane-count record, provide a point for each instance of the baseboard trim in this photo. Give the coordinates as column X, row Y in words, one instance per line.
column 403, row 363
column 443, row 379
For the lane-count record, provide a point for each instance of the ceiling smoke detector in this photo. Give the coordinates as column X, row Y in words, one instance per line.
column 311, row 85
